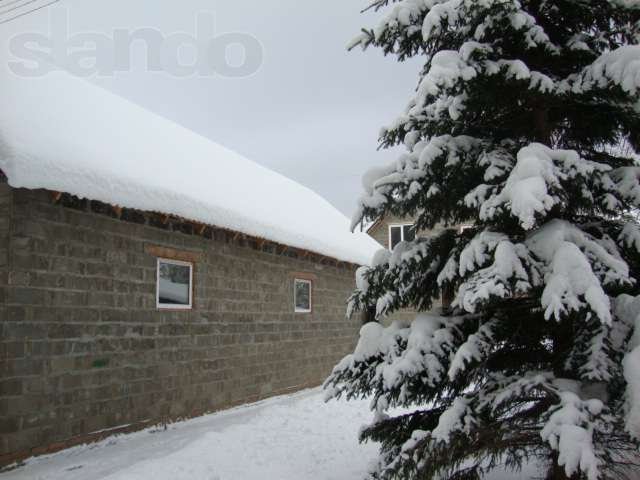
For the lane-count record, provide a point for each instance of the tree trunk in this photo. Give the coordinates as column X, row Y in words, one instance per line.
column 541, row 126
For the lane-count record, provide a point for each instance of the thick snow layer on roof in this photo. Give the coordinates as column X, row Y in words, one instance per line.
column 65, row 134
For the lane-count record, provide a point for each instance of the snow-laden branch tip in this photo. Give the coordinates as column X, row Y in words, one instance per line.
column 569, row 431
column 619, row 67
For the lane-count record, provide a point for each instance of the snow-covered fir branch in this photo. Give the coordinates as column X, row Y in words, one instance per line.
column 510, row 130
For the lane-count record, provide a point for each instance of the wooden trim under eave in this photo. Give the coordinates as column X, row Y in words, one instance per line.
column 312, row 277
column 204, row 230
column 370, row 228
column 173, row 254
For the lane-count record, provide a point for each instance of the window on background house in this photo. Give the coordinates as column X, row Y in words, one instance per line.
column 302, row 291
column 401, row 233
column 174, row 284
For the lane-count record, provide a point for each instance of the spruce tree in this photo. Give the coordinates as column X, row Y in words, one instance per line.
column 524, row 124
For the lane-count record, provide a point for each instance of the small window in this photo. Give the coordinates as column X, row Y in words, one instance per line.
column 302, row 295
column 408, row 233
column 395, row 236
column 401, row 233
column 174, row 287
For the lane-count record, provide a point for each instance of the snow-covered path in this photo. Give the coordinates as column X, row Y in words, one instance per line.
column 297, row 437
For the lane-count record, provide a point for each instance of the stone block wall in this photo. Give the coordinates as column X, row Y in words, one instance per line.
column 6, row 203
column 83, row 347
column 8, row 349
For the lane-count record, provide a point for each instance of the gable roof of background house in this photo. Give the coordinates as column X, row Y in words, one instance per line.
column 65, row 134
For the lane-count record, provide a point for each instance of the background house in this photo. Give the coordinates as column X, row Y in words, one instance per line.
column 391, row 230
column 147, row 273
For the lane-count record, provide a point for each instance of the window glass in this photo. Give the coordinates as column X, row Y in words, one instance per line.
column 409, row 233
column 174, row 284
column 395, row 237
column 302, row 293
column 400, row 233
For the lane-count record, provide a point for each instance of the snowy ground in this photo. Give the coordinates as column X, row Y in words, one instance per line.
column 296, row 437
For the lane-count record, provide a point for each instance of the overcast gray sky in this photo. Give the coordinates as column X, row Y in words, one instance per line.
column 312, row 111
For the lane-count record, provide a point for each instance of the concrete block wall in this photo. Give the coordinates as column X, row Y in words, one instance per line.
column 6, row 202
column 8, row 349
column 85, row 349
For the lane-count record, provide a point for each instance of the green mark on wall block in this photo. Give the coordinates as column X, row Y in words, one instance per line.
column 100, row 363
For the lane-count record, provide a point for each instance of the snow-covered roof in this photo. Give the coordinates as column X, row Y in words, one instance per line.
column 65, row 134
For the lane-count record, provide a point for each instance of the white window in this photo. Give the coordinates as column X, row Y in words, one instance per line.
column 174, row 288
column 401, row 233
column 302, row 291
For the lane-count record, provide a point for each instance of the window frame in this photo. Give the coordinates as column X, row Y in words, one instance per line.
column 401, row 227
column 295, row 303
column 173, row 306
